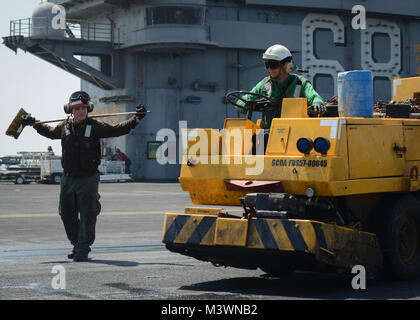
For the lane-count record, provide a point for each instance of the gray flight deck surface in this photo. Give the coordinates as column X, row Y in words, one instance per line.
column 128, row 259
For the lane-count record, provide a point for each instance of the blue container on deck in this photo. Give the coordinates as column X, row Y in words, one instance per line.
column 355, row 94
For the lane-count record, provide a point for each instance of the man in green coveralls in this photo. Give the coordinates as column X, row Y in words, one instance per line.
column 81, row 155
column 281, row 83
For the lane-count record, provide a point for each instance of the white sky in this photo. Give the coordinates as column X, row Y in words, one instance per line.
column 31, row 83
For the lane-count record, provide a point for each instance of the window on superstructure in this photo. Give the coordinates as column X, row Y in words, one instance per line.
column 174, row 15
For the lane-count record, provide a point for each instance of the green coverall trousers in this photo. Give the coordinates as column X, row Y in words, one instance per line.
column 79, row 195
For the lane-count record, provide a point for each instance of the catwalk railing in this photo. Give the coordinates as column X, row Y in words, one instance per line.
column 51, row 27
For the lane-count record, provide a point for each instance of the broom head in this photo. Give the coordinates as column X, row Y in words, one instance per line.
column 16, row 127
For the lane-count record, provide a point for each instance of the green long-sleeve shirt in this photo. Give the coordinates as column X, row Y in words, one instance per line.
column 293, row 87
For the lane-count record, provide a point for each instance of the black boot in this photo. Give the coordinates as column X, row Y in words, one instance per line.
column 81, row 256
column 72, row 254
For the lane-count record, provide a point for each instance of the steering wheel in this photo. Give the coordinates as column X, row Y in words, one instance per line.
column 251, row 105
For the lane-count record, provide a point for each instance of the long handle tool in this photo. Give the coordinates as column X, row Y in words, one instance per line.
column 15, row 128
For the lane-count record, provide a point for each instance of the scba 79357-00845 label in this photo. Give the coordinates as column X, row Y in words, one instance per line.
column 298, row 163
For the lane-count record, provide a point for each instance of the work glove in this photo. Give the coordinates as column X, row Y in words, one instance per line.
column 141, row 108
column 319, row 108
column 27, row 119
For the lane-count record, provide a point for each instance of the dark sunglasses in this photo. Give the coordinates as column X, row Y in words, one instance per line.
column 272, row 64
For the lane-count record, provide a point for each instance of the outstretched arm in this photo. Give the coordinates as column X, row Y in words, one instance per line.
column 106, row 130
column 49, row 132
column 42, row 129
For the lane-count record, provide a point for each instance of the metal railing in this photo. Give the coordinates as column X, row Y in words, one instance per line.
column 43, row 27
column 111, row 167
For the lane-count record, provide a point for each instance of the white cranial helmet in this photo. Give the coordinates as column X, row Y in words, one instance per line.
column 277, row 52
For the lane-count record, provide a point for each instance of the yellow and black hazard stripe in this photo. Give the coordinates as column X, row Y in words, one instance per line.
column 261, row 233
column 327, row 242
column 181, row 228
column 269, row 241
column 284, row 234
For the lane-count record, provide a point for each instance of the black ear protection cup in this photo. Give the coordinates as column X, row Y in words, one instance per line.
column 67, row 108
column 90, row 107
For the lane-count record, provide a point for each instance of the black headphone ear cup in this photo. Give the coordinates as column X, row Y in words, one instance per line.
column 90, row 107
column 67, row 108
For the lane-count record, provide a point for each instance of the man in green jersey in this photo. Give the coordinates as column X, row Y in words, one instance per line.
column 281, row 83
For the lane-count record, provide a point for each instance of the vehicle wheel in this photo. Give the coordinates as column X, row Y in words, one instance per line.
column 20, row 180
column 56, row 179
column 400, row 238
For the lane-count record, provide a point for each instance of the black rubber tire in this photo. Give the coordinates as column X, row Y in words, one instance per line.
column 20, row 180
column 399, row 237
column 55, row 179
